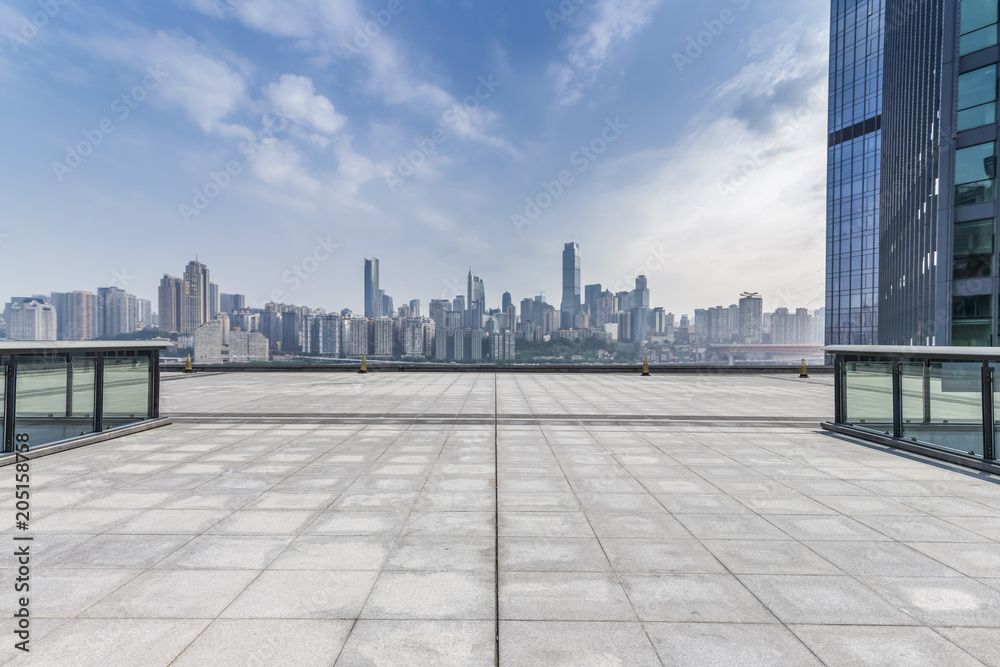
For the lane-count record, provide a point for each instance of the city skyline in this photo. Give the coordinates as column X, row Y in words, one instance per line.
column 732, row 166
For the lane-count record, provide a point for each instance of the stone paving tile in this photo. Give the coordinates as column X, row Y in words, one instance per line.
column 619, row 542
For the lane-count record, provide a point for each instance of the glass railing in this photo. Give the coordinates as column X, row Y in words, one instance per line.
column 59, row 391
column 940, row 398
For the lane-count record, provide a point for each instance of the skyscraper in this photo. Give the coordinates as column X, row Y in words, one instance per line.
column 938, row 203
column 76, row 315
column 117, row 312
column 373, row 302
column 476, row 291
column 751, row 318
column 169, row 293
column 854, row 151
column 591, row 293
column 414, row 307
column 194, row 297
column 506, row 302
column 570, row 285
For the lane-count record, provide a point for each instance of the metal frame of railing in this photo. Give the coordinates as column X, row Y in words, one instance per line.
column 898, row 356
column 66, row 352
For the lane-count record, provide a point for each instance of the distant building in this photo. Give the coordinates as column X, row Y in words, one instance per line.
column 382, row 342
column 413, row 338
column 76, row 315
column 502, row 345
column 570, row 285
column 31, row 319
column 169, row 307
column 373, row 303
column 751, row 318
column 117, row 312
column 231, row 303
column 194, row 301
column 476, row 344
column 208, row 343
column 246, row 347
column 415, row 308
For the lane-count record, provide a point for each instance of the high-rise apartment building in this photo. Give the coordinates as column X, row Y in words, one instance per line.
column 382, row 344
column 169, row 303
column 247, row 346
column 414, row 307
column 751, row 318
column 231, row 303
column 76, row 315
column 854, row 153
column 117, row 312
column 31, row 319
column 214, row 302
column 570, row 305
column 373, row 302
column 194, row 300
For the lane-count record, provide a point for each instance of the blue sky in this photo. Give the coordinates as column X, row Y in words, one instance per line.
column 284, row 141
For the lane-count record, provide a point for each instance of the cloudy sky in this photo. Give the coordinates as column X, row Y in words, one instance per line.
column 282, row 141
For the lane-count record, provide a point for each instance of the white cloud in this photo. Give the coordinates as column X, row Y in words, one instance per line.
column 278, row 163
column 611, row 22
column 206, row 85
column 295, row 97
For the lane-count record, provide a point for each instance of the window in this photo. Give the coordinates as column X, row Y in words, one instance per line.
column 977, row 94
column 973, row 256
column 979, row 25
column 971, row 321
column 975, row 174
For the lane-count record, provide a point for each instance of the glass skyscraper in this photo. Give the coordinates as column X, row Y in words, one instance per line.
column 854, row 149
column 570, row 305
column 373, row 299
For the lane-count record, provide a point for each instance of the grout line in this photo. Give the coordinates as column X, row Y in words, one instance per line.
column 496, row 507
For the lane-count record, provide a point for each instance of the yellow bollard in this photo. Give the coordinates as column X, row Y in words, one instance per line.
column 804, row 373
column 364, row 364
column 187, row 365
column 645, row 367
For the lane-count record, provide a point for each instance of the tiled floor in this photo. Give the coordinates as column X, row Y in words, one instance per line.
column 322, row 519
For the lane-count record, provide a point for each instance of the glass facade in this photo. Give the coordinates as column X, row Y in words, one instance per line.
column 854, row 149
column 53, row 395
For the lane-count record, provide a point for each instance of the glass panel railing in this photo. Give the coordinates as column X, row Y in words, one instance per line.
column 942, row 404
column 869, row 395
column 3, row 399
column 43, row 401
column 126, row 390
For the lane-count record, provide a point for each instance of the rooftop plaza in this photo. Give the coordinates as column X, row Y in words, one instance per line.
column 526, row 519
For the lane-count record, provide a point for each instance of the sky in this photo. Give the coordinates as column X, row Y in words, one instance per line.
column 283, row 141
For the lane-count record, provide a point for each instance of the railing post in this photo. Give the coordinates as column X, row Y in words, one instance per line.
column 989, row 437
column 927, row 391
column 99, row 393
column 154, row 385
column 10, row 403
column 897, row 399
column 839, row 389
column 69, row 386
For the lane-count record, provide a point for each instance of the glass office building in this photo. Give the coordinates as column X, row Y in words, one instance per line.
column 853, row 171
column 938, row 279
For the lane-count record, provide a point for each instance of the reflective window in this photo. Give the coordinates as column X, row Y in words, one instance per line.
column 975, row 174
column 978, row 26
column 126, row 390
column 971, row 318
column 977, row 94
column 973, row 254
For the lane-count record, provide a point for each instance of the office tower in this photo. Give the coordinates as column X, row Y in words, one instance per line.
column 291, row 331
column 570, row 305
column 208, row 343
column 640, row 295
column 387, row 308
column 415, row 308
column 31, row 319
column 476, row 290
column 117, row 312
column 591, row 294
column 459, row 304
column 506, row 302
column 659, row 321
column 641, row 319
column 509, row 318
column 452, row 320
column 440, row 344
column 624, row 301
column 76, row 315
column 214, row 306
column 194, row 301
column 854, row 154
column 373, row 303
column 604, row 312
column 938, row 203
column 437, row 310
column 751, row 318
column 247, row 346
column 382, row 343
column 624, row 322
column 476, row 338
column 270, row 326
column 231, row 303
column 169, row 303
column 528, row 311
